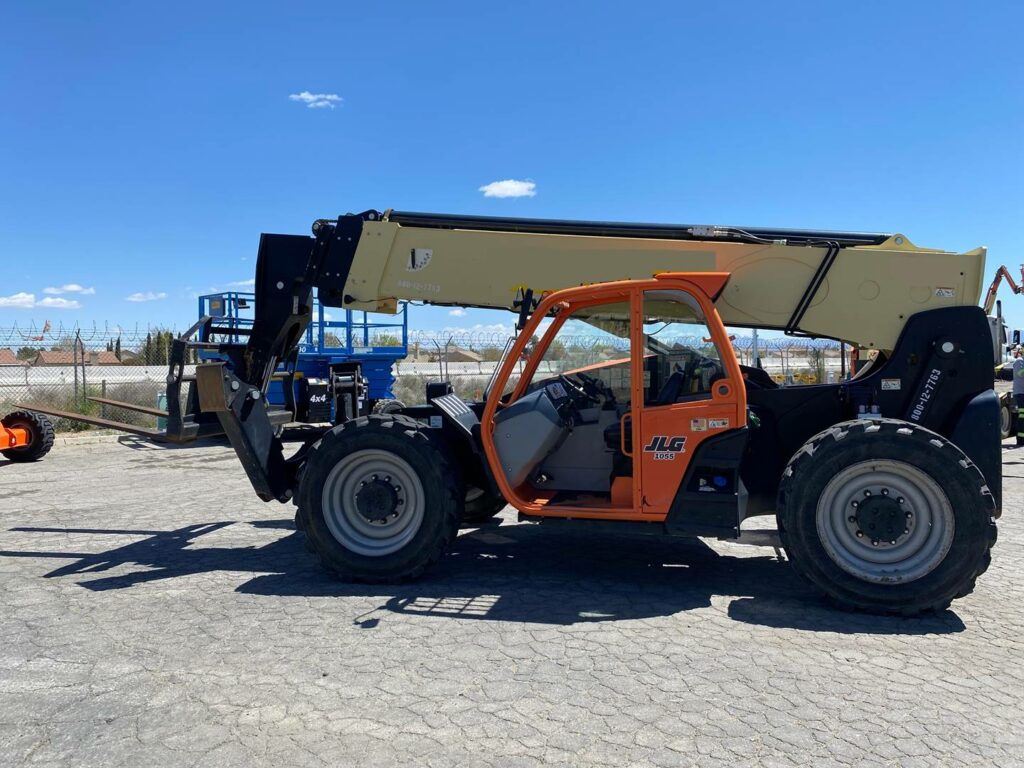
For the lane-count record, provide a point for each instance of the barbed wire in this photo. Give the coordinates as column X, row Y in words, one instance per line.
column 96, row 335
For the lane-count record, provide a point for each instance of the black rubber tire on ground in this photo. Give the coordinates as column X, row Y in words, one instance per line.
column 432, row 486
column 388, row 406
column 834, row 453
column 481, row 505
column 1007, row 416
column 39, row 427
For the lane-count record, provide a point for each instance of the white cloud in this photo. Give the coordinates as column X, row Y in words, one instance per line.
column 458, row 313
column 19, row 300
column 146, row 296
column 317, row 100
column 28, row 301
column 251, row 282
column 510, row 188
column 55, row 303
column 69, row 288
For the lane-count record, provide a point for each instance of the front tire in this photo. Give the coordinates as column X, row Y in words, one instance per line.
column 40, row 431
column 1007, row 416
column 379, row 500
column 886, row 517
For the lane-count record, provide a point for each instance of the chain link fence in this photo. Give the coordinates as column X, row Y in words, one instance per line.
column 468, row 360
column 66, row 367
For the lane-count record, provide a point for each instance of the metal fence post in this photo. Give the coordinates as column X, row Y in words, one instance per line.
column 85, row 391
column 74, row 364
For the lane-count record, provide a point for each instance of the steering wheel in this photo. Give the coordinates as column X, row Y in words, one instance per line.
column 578, row 394
column 594, row 387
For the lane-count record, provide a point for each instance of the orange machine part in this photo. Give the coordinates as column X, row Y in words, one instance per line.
column 16, row 437
column 629, row 500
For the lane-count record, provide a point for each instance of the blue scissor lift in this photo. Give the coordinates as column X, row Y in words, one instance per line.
column 334, row 356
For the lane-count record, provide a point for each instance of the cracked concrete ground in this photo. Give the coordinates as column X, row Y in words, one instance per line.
column 153, row 612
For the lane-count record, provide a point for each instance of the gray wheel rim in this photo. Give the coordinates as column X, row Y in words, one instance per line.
column 910, row 553
column 1004, row 421
column 353, row 530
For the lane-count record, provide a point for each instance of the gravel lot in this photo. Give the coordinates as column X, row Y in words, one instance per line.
column 153, row 612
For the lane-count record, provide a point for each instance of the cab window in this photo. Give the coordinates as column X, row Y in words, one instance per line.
column 592, row 347
column 680, row 361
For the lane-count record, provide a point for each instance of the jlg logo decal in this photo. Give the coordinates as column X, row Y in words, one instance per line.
column 665, row 447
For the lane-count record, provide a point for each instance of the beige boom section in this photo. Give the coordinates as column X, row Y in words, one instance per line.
column 865, row 298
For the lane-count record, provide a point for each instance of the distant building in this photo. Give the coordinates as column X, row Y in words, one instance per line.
column 8, row 357
column 102, row 357
column 67, row 357
column 460, row 355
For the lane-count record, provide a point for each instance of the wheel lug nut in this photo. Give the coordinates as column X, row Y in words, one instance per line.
column 362, row 483
column 909, row 515
column 893, row 541
column 856, row 504
column 874, row 542
column 852, row 519
column 867, row 493
column 387, row 478
column 400, row 501
column 906, row 531
column 860, row 534
column 398, row 489
column 373, row 477
column 899, row 500
column 885, row 491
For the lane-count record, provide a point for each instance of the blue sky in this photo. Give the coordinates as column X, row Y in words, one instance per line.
column 144, row 147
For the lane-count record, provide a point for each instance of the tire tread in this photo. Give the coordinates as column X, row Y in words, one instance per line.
column 42, row 436
column 452, row 489
column 904, row 430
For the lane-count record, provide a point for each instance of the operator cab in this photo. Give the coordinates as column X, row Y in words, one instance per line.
column 565, row 438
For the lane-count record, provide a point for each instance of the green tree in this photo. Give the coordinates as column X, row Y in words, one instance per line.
column 26, row 353
column 385, row 340
column 117, row 348
column 555, row 350
column 63, row 343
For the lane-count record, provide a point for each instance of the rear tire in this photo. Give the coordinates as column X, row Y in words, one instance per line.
column 40, row 430
column 481, row 505
column 379, row 500
column 886, row 517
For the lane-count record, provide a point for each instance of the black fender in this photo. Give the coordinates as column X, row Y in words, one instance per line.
column 976, row 433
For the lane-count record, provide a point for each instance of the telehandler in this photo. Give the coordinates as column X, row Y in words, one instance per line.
column 886, row 487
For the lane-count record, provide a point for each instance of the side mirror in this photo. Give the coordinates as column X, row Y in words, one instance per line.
column 1016, row 337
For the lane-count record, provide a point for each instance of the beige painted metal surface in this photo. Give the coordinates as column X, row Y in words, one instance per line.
column 865, row 299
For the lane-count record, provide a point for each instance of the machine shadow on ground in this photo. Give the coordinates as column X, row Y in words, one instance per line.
column 513, row 572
